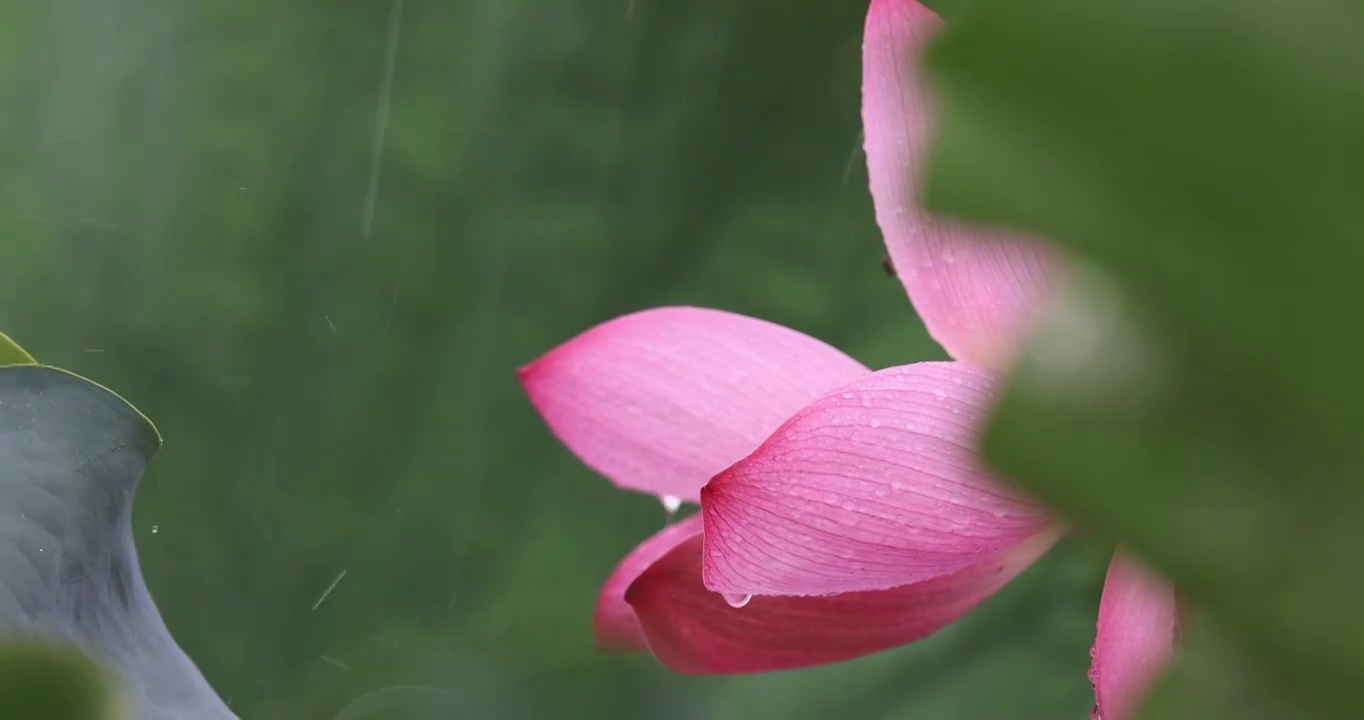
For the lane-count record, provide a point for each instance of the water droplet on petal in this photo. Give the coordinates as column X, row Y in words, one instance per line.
column 736, row 601
column 671, row 503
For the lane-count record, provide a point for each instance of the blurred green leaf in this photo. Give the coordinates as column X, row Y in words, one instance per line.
column 12, row 354
column 41, row 681
column 1213, row 679
column 1208, row 155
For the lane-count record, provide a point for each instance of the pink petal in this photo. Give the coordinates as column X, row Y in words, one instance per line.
column 692, row 630
column 977, row 292
column 661, row 400
column 874, row 485
column 1138, row 620
column 614, row 621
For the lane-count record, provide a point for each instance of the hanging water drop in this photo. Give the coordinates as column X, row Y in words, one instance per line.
column 671, row 503
column 736, row 601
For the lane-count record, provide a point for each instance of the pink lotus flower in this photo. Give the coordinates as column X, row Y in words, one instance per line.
column 843, row 511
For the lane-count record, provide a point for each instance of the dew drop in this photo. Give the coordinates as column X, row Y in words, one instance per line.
column 671, row 503
column 736, row 601
column 156, row 529
column 847, row 396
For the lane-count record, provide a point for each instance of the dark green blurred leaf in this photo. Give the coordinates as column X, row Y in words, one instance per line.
column 12, row 354
column 40, row 681
column 1208, row 155
column 1211, row 678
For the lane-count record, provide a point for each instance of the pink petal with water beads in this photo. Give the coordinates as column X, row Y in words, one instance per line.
column 695, row 631
column 872, row 486
column 976, row 291
column 1138, row 622
column 659, row 401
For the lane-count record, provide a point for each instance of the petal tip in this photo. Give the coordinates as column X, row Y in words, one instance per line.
column 1136, row 636
column 529, row 374
column 607, row 642
column 614, row 630
column 616, row 627
column 659, row 400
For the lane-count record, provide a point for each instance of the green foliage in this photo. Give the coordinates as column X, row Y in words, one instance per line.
column 1206, row 409
column 38, row 680
column 1214, row 678
column 12, row 354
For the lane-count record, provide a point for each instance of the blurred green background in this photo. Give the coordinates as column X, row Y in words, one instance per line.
column 313, row 240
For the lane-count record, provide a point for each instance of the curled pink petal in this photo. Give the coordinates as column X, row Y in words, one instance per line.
column 1138, row 621
column 694, row 631
column 977, row 292
column 659, row 401
column 874, row 485
column 614, row 622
